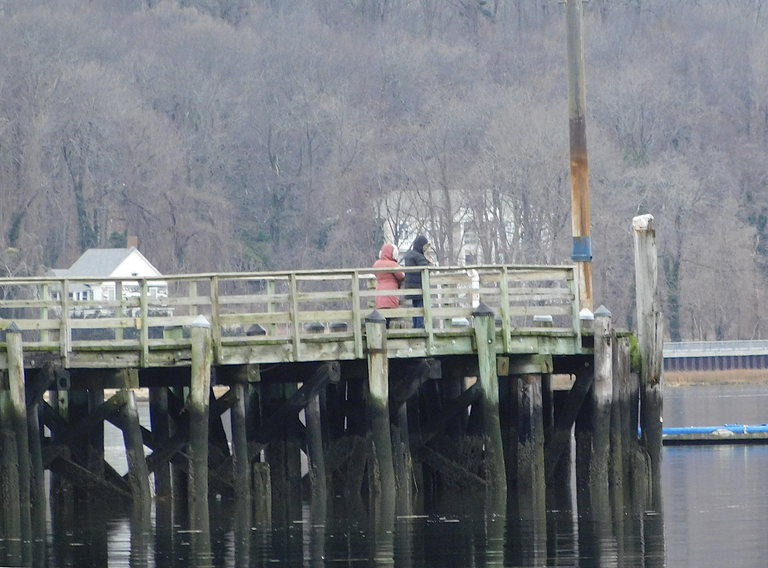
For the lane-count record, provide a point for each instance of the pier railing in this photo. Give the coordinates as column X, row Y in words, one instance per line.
column 273, row 316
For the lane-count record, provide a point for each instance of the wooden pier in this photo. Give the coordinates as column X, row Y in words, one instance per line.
column 282, row 387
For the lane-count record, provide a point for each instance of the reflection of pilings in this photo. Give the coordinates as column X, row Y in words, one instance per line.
column 383, row 525
column 527, row 542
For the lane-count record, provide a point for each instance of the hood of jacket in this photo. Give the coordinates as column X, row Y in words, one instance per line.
column 387, row 252
column 418, row 243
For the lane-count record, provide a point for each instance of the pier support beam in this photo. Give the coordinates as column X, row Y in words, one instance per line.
column 531, row 487
column 602, row 399
column 378, row 406
column 650, row 339
column 18, row 421
column 242, row 464
column 485, row 338
column 198, row 408
column 138, row 473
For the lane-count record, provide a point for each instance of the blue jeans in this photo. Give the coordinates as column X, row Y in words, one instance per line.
column 418, row 321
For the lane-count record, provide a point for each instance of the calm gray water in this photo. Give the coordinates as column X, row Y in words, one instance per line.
column 715, row 513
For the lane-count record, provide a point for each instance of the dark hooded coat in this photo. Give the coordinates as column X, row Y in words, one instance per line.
column 415, row 257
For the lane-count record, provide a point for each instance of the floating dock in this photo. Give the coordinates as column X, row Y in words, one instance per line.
column 727, row 434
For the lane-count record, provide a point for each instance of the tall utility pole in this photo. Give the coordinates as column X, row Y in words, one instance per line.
column 577, row 122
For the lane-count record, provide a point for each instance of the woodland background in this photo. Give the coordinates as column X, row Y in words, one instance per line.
column 243, row 135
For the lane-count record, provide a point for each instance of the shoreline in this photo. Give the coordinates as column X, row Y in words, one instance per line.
column 718, row 377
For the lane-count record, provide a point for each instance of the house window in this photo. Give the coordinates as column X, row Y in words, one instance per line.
column 470, row 237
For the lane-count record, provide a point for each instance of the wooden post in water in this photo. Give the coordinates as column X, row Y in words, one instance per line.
column 485, row 338
column 19, row 423
column 316, row 452
column 198, row 409
column 138, row 474
column 242, row 464
column 602, row 398
column 618, row 465
column 378, row 408
column 650, row 339
column 37, row 471
column 531, row 486
column 262, row 494
column 10, row 499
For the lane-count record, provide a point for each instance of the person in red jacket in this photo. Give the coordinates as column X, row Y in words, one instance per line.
column 387, row 280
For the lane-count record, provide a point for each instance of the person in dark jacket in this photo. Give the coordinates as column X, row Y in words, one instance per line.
column 416, row 256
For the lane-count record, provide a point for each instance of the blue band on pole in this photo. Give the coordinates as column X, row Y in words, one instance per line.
column 582, row 249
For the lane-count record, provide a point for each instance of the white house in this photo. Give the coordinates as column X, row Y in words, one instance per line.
column 104, row 265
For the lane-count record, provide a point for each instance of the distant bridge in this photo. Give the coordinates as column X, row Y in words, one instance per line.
column 715, row 355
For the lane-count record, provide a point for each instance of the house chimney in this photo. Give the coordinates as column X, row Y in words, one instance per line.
column 133, row 241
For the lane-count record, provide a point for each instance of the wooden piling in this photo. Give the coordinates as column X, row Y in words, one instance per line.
column 242, row 466
column 650, row 339
column 485, row 338
column 138, row 473
column 9, row 481
column 531, row 486
column 19, row 424
column 37, row 470
column 197, row 406
column 602, row 398
column 618, row 463
column 262, row 494
column 378, row 408
column 316, row 453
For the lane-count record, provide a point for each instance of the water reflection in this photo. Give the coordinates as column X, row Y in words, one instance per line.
column 462, row 538
column 715, row 510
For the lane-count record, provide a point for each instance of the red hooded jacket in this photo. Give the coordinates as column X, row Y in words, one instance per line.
column 387, row 280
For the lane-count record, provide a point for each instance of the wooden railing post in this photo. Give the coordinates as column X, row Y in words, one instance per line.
column 357, row 320
column 426, row 293
column 144, row 311
column 120, row 309
column 295, row 322
column 215, row 323
column 44, row 312
column 65, row 339
column 271, row 308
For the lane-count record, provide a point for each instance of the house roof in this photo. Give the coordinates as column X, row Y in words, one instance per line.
column 107, row 262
